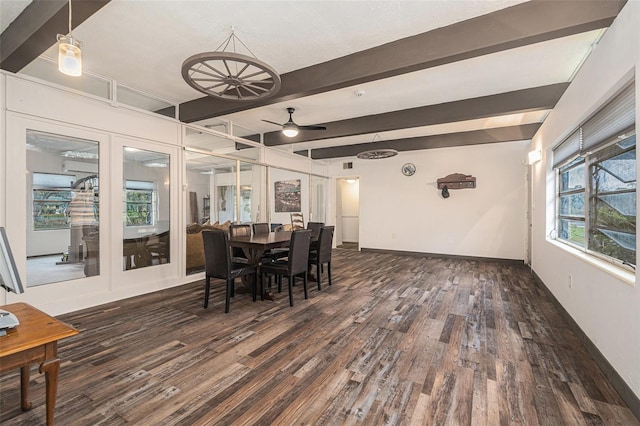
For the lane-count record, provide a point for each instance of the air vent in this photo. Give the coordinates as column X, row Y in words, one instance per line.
column 348, row 165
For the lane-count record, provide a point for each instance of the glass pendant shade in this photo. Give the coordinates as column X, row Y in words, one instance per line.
column 290, row 130
column 69, row 56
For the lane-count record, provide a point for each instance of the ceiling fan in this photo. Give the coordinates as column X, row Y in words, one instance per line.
column 290, row 128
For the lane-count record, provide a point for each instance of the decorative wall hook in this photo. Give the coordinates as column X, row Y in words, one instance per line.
column 457, row 181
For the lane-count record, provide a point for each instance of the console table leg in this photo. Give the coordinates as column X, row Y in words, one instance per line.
column 50, row 368
column 24, row 387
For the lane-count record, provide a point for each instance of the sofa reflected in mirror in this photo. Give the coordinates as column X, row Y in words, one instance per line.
column 195, row 245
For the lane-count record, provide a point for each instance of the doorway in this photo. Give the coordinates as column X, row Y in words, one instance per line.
column 348, row 213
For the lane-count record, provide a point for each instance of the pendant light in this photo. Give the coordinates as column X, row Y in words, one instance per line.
column 69, row 53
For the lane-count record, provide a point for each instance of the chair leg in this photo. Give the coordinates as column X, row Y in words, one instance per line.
column 329, row 271
column 319, row 275
column 227, row 300
column 207, row 287
column 261, row 285
column 279, row 281
column 290, row 290
column 304, row 284
column 254, row 284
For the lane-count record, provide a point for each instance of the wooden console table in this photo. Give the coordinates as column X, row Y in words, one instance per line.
column 34, row 340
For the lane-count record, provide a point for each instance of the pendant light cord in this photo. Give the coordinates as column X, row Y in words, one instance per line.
column 70, row 12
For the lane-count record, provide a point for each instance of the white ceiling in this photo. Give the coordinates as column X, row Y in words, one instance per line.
column 143, row 43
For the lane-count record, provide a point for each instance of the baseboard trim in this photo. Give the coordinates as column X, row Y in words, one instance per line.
column 627, row 395
column 440, row 255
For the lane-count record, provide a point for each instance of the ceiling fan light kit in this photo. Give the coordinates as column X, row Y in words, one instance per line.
column 290, row 129
column 69, row 52
column 231, row 75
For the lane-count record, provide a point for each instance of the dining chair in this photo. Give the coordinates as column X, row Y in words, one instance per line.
column 297, row 221
column 261, row 228
column 239, row 231
column 295, row 265
column 315, row 227
column 218, row 264
column 322, row 253
column 315, row 231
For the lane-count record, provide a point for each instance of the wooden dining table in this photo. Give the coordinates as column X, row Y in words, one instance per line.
column 255, row 246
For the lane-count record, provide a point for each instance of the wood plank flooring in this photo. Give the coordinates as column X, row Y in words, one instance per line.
column 395, row 340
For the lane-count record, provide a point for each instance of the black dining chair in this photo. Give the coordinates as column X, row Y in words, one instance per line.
column 218, row 264
column 239, row 231
column 295, row 265
column 322, row 253
column 315, row 231
column 261, row 228
column 315, row 227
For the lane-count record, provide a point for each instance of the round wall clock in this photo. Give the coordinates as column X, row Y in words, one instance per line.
column 408, row 169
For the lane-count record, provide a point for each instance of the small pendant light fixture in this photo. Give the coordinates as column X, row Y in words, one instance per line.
column 69, row 53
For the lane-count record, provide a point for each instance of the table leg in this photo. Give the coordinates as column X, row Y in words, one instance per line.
column 24, row 387
column 50, row 368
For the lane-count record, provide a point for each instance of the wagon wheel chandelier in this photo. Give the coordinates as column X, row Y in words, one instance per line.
column 377, row 154
column 226, row 74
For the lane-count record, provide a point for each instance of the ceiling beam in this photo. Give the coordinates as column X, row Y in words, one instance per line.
column 35, row 29
column 518, row 101
column 520, row 25
column 475, row 137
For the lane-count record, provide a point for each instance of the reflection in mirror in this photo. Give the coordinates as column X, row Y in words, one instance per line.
column 220, row 144
column 211, row 186
column 62, row 207
column 146, row 208
column 318, row 192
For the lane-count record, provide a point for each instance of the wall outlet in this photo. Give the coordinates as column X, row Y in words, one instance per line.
column 570, row 281
column 393, row 235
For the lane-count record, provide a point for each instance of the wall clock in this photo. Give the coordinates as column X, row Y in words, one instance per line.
column 408, row 169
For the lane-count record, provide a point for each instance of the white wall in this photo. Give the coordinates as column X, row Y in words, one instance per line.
column 604, row 302
column 409, row 214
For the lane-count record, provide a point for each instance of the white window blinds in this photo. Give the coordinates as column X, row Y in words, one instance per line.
column 617, row 116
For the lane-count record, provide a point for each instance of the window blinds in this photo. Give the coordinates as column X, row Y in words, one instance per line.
column 616, row 116
column 568, row 148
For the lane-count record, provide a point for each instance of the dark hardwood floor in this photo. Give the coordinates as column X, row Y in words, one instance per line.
column 395, row 340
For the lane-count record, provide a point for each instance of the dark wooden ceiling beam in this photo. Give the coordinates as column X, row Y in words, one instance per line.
column 518, row 101
column 35, row 29
column 516, row 26
column 475, row 137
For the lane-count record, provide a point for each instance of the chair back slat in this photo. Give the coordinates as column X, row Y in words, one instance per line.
column 297, row 221
column 216, row 253
column 299, row 251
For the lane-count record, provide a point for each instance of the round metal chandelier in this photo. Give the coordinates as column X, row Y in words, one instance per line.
column 231, row 75
column 377, row 154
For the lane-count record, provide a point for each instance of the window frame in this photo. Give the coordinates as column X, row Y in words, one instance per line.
column 589, row 161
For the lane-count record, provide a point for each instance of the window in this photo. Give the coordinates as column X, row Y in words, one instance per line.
column 140, row 203
column 596, row 198
column 51, row 197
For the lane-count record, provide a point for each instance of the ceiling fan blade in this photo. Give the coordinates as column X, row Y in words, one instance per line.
column 273, row 122
column 312, row 128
